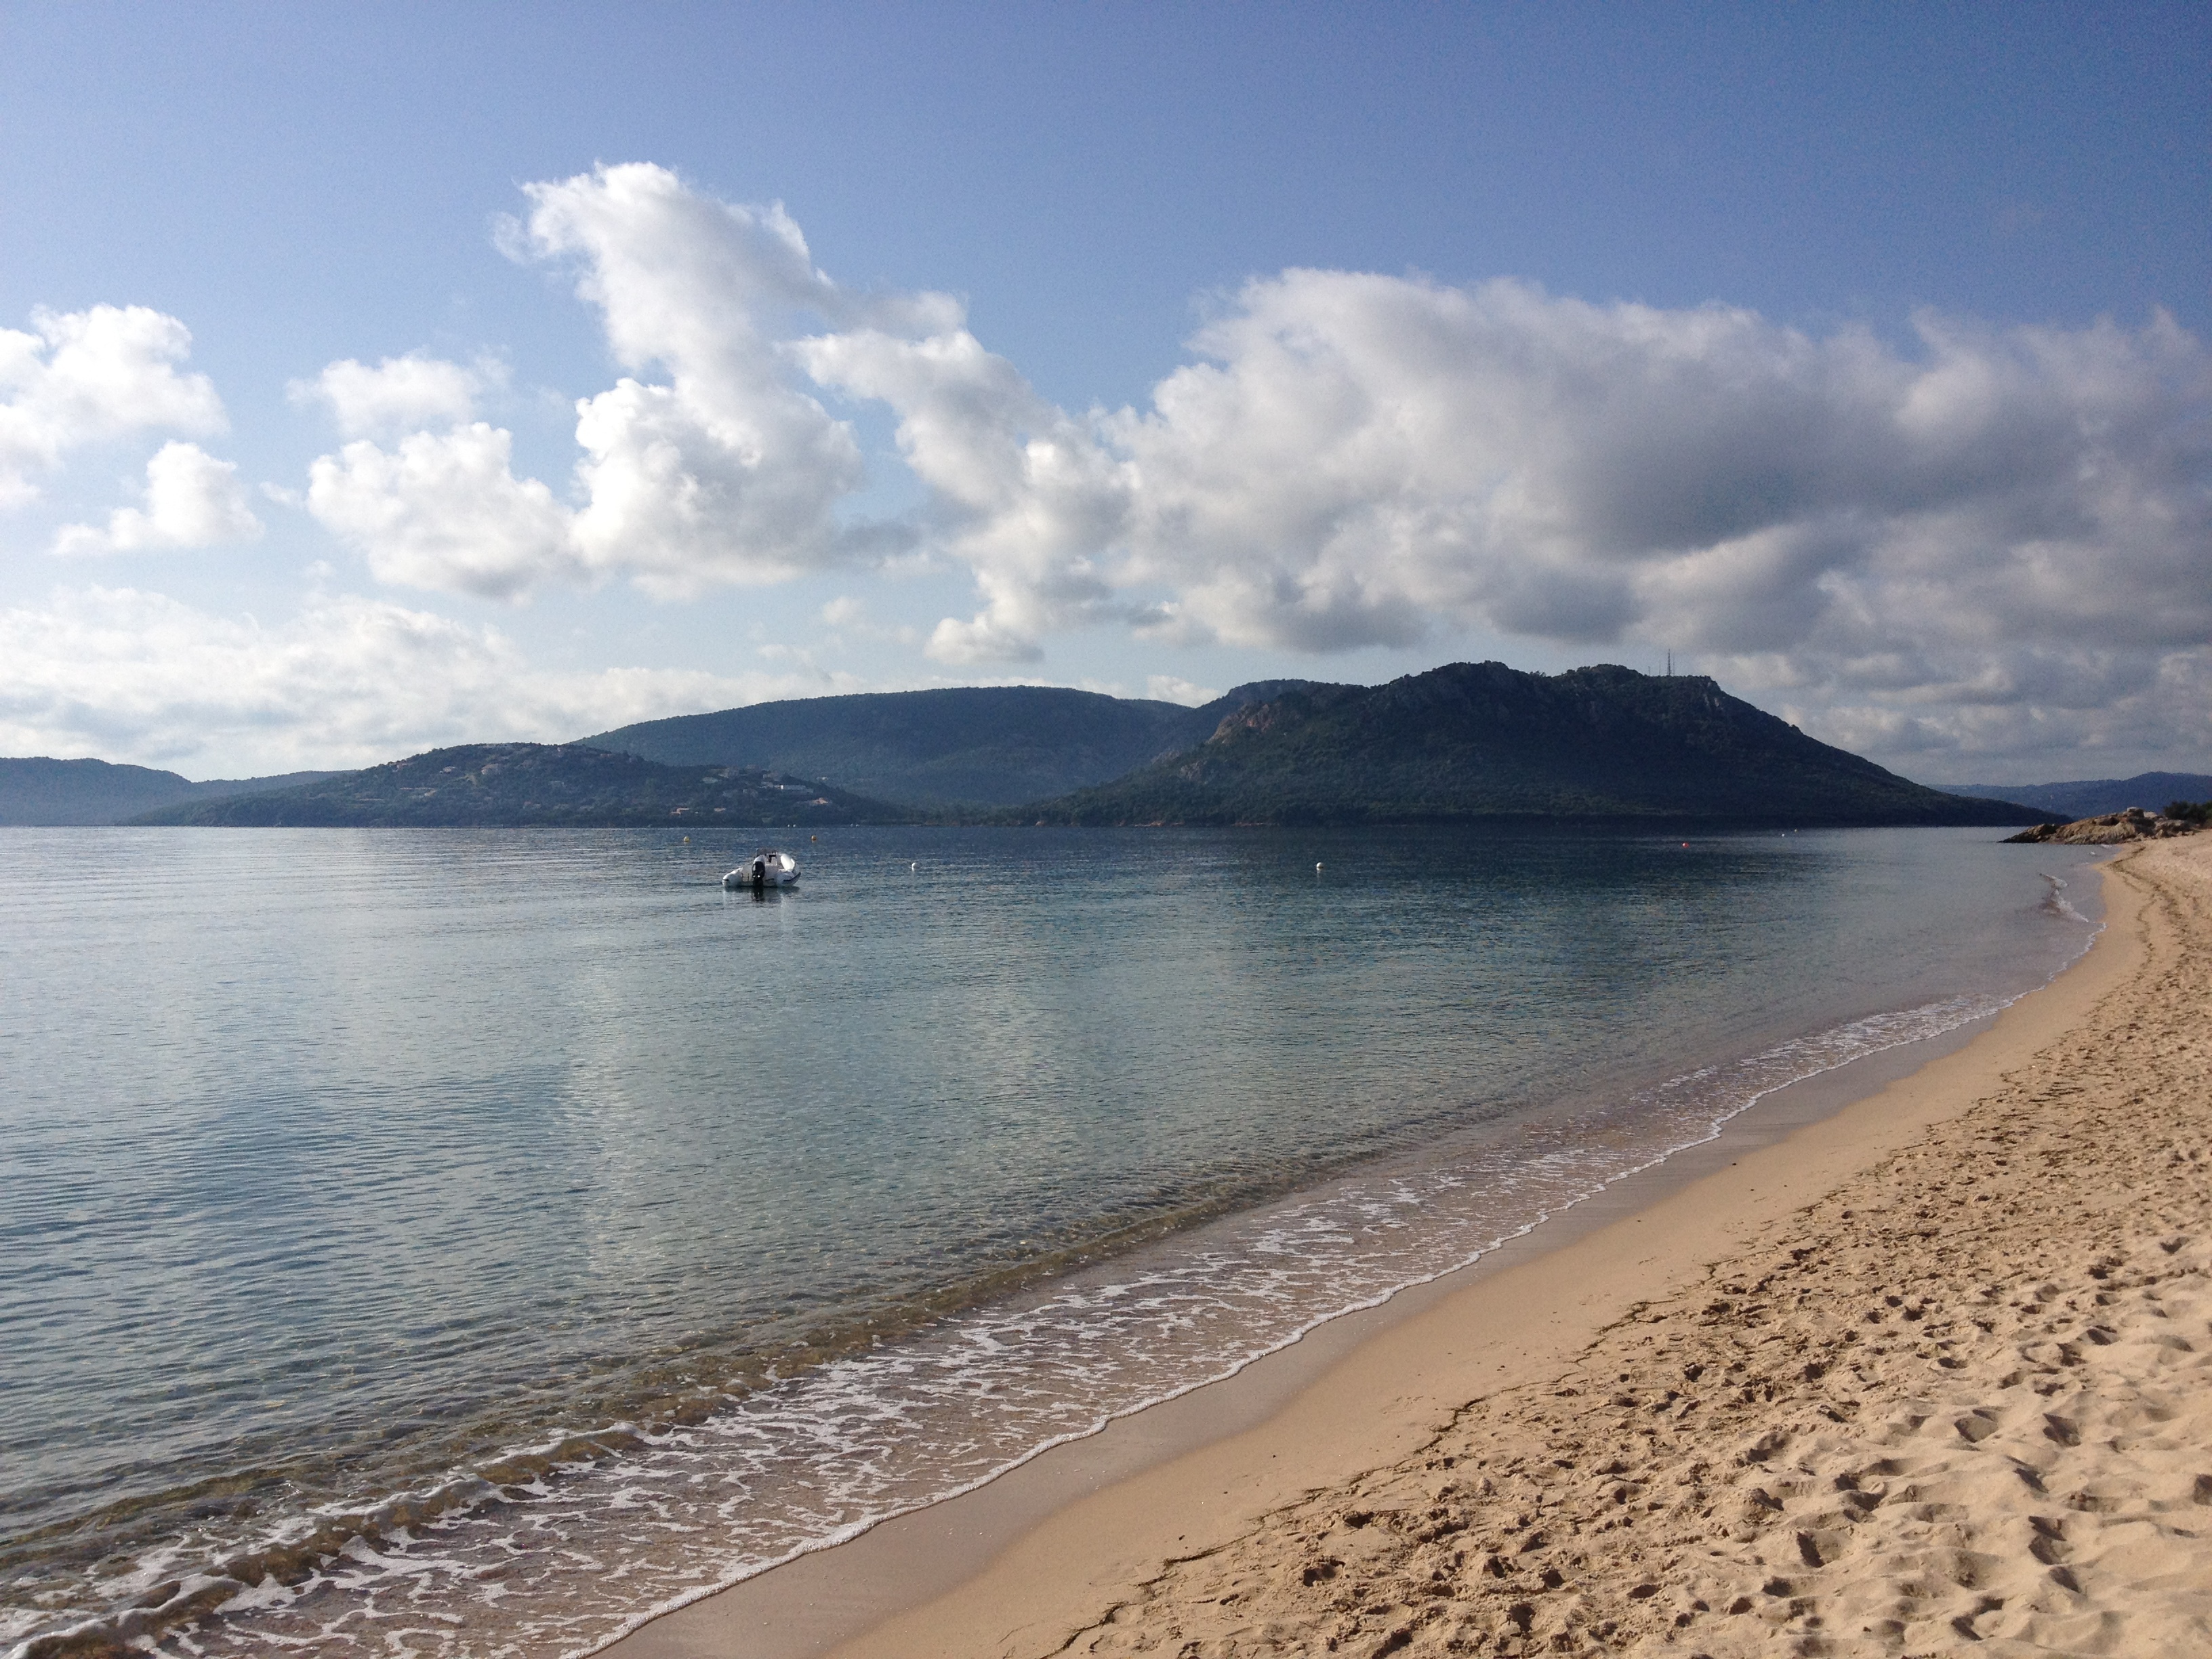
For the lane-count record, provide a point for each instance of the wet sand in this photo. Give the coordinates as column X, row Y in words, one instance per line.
column 1927, row 1374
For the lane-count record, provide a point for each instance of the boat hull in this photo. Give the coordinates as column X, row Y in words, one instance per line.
column 763, row 870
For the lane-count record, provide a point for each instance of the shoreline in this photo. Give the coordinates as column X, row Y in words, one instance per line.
column 1015, row 1566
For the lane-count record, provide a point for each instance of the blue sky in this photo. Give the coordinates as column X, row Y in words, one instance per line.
column 1853, row 355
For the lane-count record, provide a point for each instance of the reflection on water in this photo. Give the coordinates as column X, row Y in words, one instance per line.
column 381, row 1207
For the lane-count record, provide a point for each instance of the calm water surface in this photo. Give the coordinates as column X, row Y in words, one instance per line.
column 457, row 1242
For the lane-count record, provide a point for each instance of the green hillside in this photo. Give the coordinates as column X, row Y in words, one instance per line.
column 1466, row 741
column 516, row 784
column 976, row 745
column 42, row 791
column 2091, row 798
column 1480, row 740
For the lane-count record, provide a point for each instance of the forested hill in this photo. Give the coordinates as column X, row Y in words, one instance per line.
column 40, row 790
column 1480, row 740
column 520, row 784
column 2090, row 798
column 986, row 745
column 1470, row 741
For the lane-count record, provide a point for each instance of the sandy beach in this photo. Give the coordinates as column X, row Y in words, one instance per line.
column 1931, row 1375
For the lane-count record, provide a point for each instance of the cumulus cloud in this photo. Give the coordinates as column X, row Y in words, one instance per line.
column 1031, row 501
column 1173, row 688
column 445, row 510
column 1355, row 456
column 192, row 500
column 84, row 377
column 723, row 469
column 1992, row 518
column 2021, row 716
column 398, row 395
column 126, row 674
column 845, row 615
column 1906, row 538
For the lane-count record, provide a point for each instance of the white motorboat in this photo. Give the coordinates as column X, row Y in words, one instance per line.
column 766, row 868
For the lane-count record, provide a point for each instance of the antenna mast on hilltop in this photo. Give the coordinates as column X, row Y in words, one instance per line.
column 1670, row 665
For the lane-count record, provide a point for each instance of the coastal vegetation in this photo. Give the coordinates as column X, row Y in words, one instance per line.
column 39, row 790
column 540, row 784
column 978, row 745
column 1474, row 741
column 1469, row 742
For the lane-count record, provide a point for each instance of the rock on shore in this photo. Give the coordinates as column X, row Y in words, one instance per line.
column 2133, row 824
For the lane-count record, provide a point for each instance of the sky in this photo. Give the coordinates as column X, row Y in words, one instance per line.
column 376, row 378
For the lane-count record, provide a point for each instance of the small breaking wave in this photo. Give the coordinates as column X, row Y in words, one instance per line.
column 2059, row 904
column 566, row 1544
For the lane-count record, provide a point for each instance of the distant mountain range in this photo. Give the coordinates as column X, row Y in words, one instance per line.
column 52, row 792
column 972, row 746
column 2096, row 798
column 1469, row 742
column 1479, row 740
column 521, row 784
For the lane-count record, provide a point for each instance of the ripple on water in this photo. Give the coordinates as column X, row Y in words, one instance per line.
column 436, row 1248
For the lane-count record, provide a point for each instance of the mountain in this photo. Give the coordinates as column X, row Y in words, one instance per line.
column 513, row 784
column 1480, row 740
column 1468, row 741
column 2096, row 798
column 38, row 790
column 975, row 745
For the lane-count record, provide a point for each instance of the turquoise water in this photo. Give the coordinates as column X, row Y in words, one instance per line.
column 392, row 1221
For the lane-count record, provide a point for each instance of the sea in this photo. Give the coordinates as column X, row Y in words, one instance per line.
column 458, row 1241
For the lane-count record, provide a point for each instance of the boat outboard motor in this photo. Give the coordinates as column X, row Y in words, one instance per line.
column 760, row 874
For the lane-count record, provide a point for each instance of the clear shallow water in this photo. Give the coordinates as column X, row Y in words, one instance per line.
column 467, row 1242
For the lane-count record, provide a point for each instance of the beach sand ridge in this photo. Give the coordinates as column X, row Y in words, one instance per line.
column 1962, row 1404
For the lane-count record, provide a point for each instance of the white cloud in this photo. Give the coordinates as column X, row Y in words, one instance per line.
column 192, row 500
column 83, row 377
column 1900, row 538
column 130, row 675
column 445, row 510
column 726, row 470
column 1033, row 502
column 845, row 615
column 1362, row 460
column 398, row 395
column 1170, row 688
column 2021, row 717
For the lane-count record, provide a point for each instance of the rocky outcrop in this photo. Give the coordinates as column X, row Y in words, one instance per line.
column 2133, row 824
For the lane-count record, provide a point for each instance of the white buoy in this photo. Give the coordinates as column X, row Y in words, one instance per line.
column 1316, row 867
column 916, row 865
